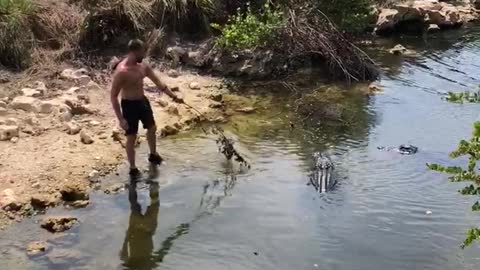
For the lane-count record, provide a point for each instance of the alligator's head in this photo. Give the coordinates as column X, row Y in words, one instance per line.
column 322, row 161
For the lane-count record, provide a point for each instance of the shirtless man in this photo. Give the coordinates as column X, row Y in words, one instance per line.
column 134, row 107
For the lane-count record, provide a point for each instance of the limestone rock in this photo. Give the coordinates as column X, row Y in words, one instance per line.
column 80, row 204
column 387, row 19
column 194, row 86
column 14, row 140
column 36, row 248
column 40, row 86
column 162, row 102
column 42, row 201
column 220, row 119
column 432, row 28
column 173, row 73
column 216, row 97
column 57, row 224
column 476, row 4
column 195, row 59
column 176, row 54
column 74, row 90
column 3, row 104
column 29, row 92
column 74, row 192
column 7, row 132
column 374, row 88
column 86, row 137
column 172, row 109
column 72, row 127
column 398, row 50
column 3, row 111
column 78, row 108
column 215, row 105
column 47, row 107
column 169, row 130
column 9, row 201
column 91, row 85
column 28, row 104
column 246, row 110
column 32, row 121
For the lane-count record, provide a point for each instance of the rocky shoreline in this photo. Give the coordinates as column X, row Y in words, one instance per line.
column 59, row 136
column 421, row 16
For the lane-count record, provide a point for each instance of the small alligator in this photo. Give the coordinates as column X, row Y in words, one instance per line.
column 321, row 176
column 404, row 149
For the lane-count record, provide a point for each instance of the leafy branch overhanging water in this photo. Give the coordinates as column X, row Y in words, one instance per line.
column 471, row 149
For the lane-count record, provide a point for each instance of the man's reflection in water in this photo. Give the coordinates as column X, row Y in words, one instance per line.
column 138, row 244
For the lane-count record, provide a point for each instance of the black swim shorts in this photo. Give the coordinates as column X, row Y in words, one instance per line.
column 137, row 110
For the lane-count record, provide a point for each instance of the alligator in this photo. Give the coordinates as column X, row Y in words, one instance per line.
column 404, row 149
column 321, row 176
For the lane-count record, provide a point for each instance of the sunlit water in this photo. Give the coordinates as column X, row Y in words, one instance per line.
column 202, row 213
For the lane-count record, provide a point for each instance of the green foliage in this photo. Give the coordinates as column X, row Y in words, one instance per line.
column 470, row 149
column 15, row 35
column 248, row 30
column 349, row 16
column 472, row 235
column 461, row 97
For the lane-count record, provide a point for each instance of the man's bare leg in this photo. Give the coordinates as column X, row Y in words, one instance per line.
column 154, row 157
column 130, row 147
column 152, row 140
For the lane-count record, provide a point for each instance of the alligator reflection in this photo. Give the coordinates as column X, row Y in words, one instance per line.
column 215, row 192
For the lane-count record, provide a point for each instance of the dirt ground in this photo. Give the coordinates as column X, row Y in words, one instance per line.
column 57, row 139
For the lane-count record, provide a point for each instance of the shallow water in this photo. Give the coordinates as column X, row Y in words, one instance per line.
column 205, row 214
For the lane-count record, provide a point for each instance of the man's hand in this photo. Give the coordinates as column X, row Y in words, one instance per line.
column 123, row 124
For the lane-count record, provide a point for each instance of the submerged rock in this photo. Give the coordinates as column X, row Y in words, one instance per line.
column 398, row 50
column 115, row 188
column 245, row 110
column 36, row 248
column 57, row 224
column 80, row 204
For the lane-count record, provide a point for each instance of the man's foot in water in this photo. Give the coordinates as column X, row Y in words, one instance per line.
column 134, row 173
column 155, row 159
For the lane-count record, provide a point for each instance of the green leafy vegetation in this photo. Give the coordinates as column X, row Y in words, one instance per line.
column 470, row 149
column 248, row 30
column 15, row 35
column 349, row 16
column 461, row 97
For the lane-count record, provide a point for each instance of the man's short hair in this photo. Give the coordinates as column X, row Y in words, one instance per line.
column 135, row 45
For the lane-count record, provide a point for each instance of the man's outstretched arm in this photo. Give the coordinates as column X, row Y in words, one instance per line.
column 163, row 87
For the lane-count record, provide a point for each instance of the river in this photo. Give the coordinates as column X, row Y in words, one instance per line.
column 204, row 213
